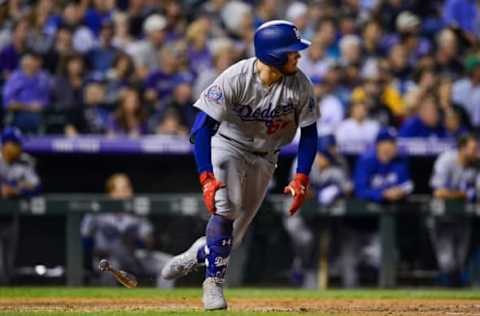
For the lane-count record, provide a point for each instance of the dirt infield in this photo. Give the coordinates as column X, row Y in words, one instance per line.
column 358, row 307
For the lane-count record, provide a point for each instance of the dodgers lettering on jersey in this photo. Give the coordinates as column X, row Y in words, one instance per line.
column 256, row 117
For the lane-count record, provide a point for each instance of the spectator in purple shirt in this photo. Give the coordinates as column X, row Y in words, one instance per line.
column 10, row 55
column 130, row 118
column 26, row 93
column 426, row 123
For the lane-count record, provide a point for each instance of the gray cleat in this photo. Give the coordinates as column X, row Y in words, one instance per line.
column 184, row 263
column 213, row 298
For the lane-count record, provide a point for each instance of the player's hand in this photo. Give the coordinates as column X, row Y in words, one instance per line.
column 393, row 194
column 210, row 186
column 297, row 188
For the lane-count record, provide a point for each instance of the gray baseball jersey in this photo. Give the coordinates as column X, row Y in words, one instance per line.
column 19, row 173
column 448, row 173
column 255, row 121
column 255, row 117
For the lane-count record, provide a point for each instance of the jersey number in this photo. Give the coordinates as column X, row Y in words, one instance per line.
column 276, row 125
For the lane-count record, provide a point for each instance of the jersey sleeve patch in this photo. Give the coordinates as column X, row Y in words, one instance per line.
column 215, row 94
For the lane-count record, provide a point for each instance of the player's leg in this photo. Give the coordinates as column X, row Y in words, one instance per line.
column 230, row 168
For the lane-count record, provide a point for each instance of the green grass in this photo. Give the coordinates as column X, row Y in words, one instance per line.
column 150, row 293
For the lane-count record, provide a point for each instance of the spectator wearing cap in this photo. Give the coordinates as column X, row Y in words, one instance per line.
column 11, row 54
column 130, row 118
column 26, row 93
column 145, row 52
column 455, row 177
column 381, row 175
column 329, row 183
column 466, row 91
column 426, row 123
column 102, row 57
column 408, row 29
column 358, row 129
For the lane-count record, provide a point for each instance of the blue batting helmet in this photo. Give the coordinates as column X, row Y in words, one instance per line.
column 275, row 39
column 11, row 134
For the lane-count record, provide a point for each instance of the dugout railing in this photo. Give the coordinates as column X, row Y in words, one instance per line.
column 74, row 206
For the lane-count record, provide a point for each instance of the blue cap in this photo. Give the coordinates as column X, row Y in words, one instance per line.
column 12, row 134
column 386, row 134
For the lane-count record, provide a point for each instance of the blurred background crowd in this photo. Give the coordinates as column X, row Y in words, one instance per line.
column 131, row 67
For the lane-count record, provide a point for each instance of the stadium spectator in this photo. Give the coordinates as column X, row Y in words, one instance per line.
column 98, row 14
column 358, row 128
column 329, row 182
column 198, row 53
column 455, row 176
column 41, row 37
column 423, row 86
column 62, row 48
column 466, row 91
column 372, row 36
column 101, row 57
column 400, row 68
column 18, row 179
column 297, row 13
column 120, row 76
column 427, row 123
column 314, row 63
column 125, row 239
column 161, row 83
column 26, row 93
column 453, row 124
column 92, row 115
column 266, row 10
column 171, row 124
column 11, row 54
column 327, row 38
column 121, row 37
column 447, row 54
column 130, row 118
column 145, row 52
column 223, row 56
column 330, row 106
column 444, row 96
column 72, row 16
column 408, row 28
column 350, row 50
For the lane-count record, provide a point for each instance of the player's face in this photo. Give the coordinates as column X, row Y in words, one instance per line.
column 386, row 151
column 11, row 151
column 471, row 150
column 290, row 68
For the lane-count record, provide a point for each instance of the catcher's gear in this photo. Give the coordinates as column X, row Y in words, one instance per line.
column 297, row 187
column 210, row 186
column 275, row 39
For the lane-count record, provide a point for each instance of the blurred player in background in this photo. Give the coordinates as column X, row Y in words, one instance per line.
column 125, row 239
column 18, row 179
column 455, row 177
column 328, row 183
column 381, row 176
column 249, row 112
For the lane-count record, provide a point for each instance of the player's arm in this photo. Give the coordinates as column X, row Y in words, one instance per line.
column 201, row 136
column 307, row 149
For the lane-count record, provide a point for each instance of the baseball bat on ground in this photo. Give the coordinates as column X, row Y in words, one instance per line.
column 127, row 279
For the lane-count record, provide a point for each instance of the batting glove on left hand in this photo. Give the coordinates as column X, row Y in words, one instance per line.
column 210, row 186
column 297, row 188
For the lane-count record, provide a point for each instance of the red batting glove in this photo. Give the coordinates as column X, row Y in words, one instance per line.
column 297, row 188
column 210, row 185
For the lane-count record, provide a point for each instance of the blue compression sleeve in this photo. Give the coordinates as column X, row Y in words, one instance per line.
column 203, row 130
column 307, row 148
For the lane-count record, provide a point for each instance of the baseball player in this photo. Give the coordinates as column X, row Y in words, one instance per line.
column 18, row 179
column 455, row 176
column 250, row 111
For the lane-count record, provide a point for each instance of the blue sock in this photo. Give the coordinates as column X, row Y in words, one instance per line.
column 219, row 246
